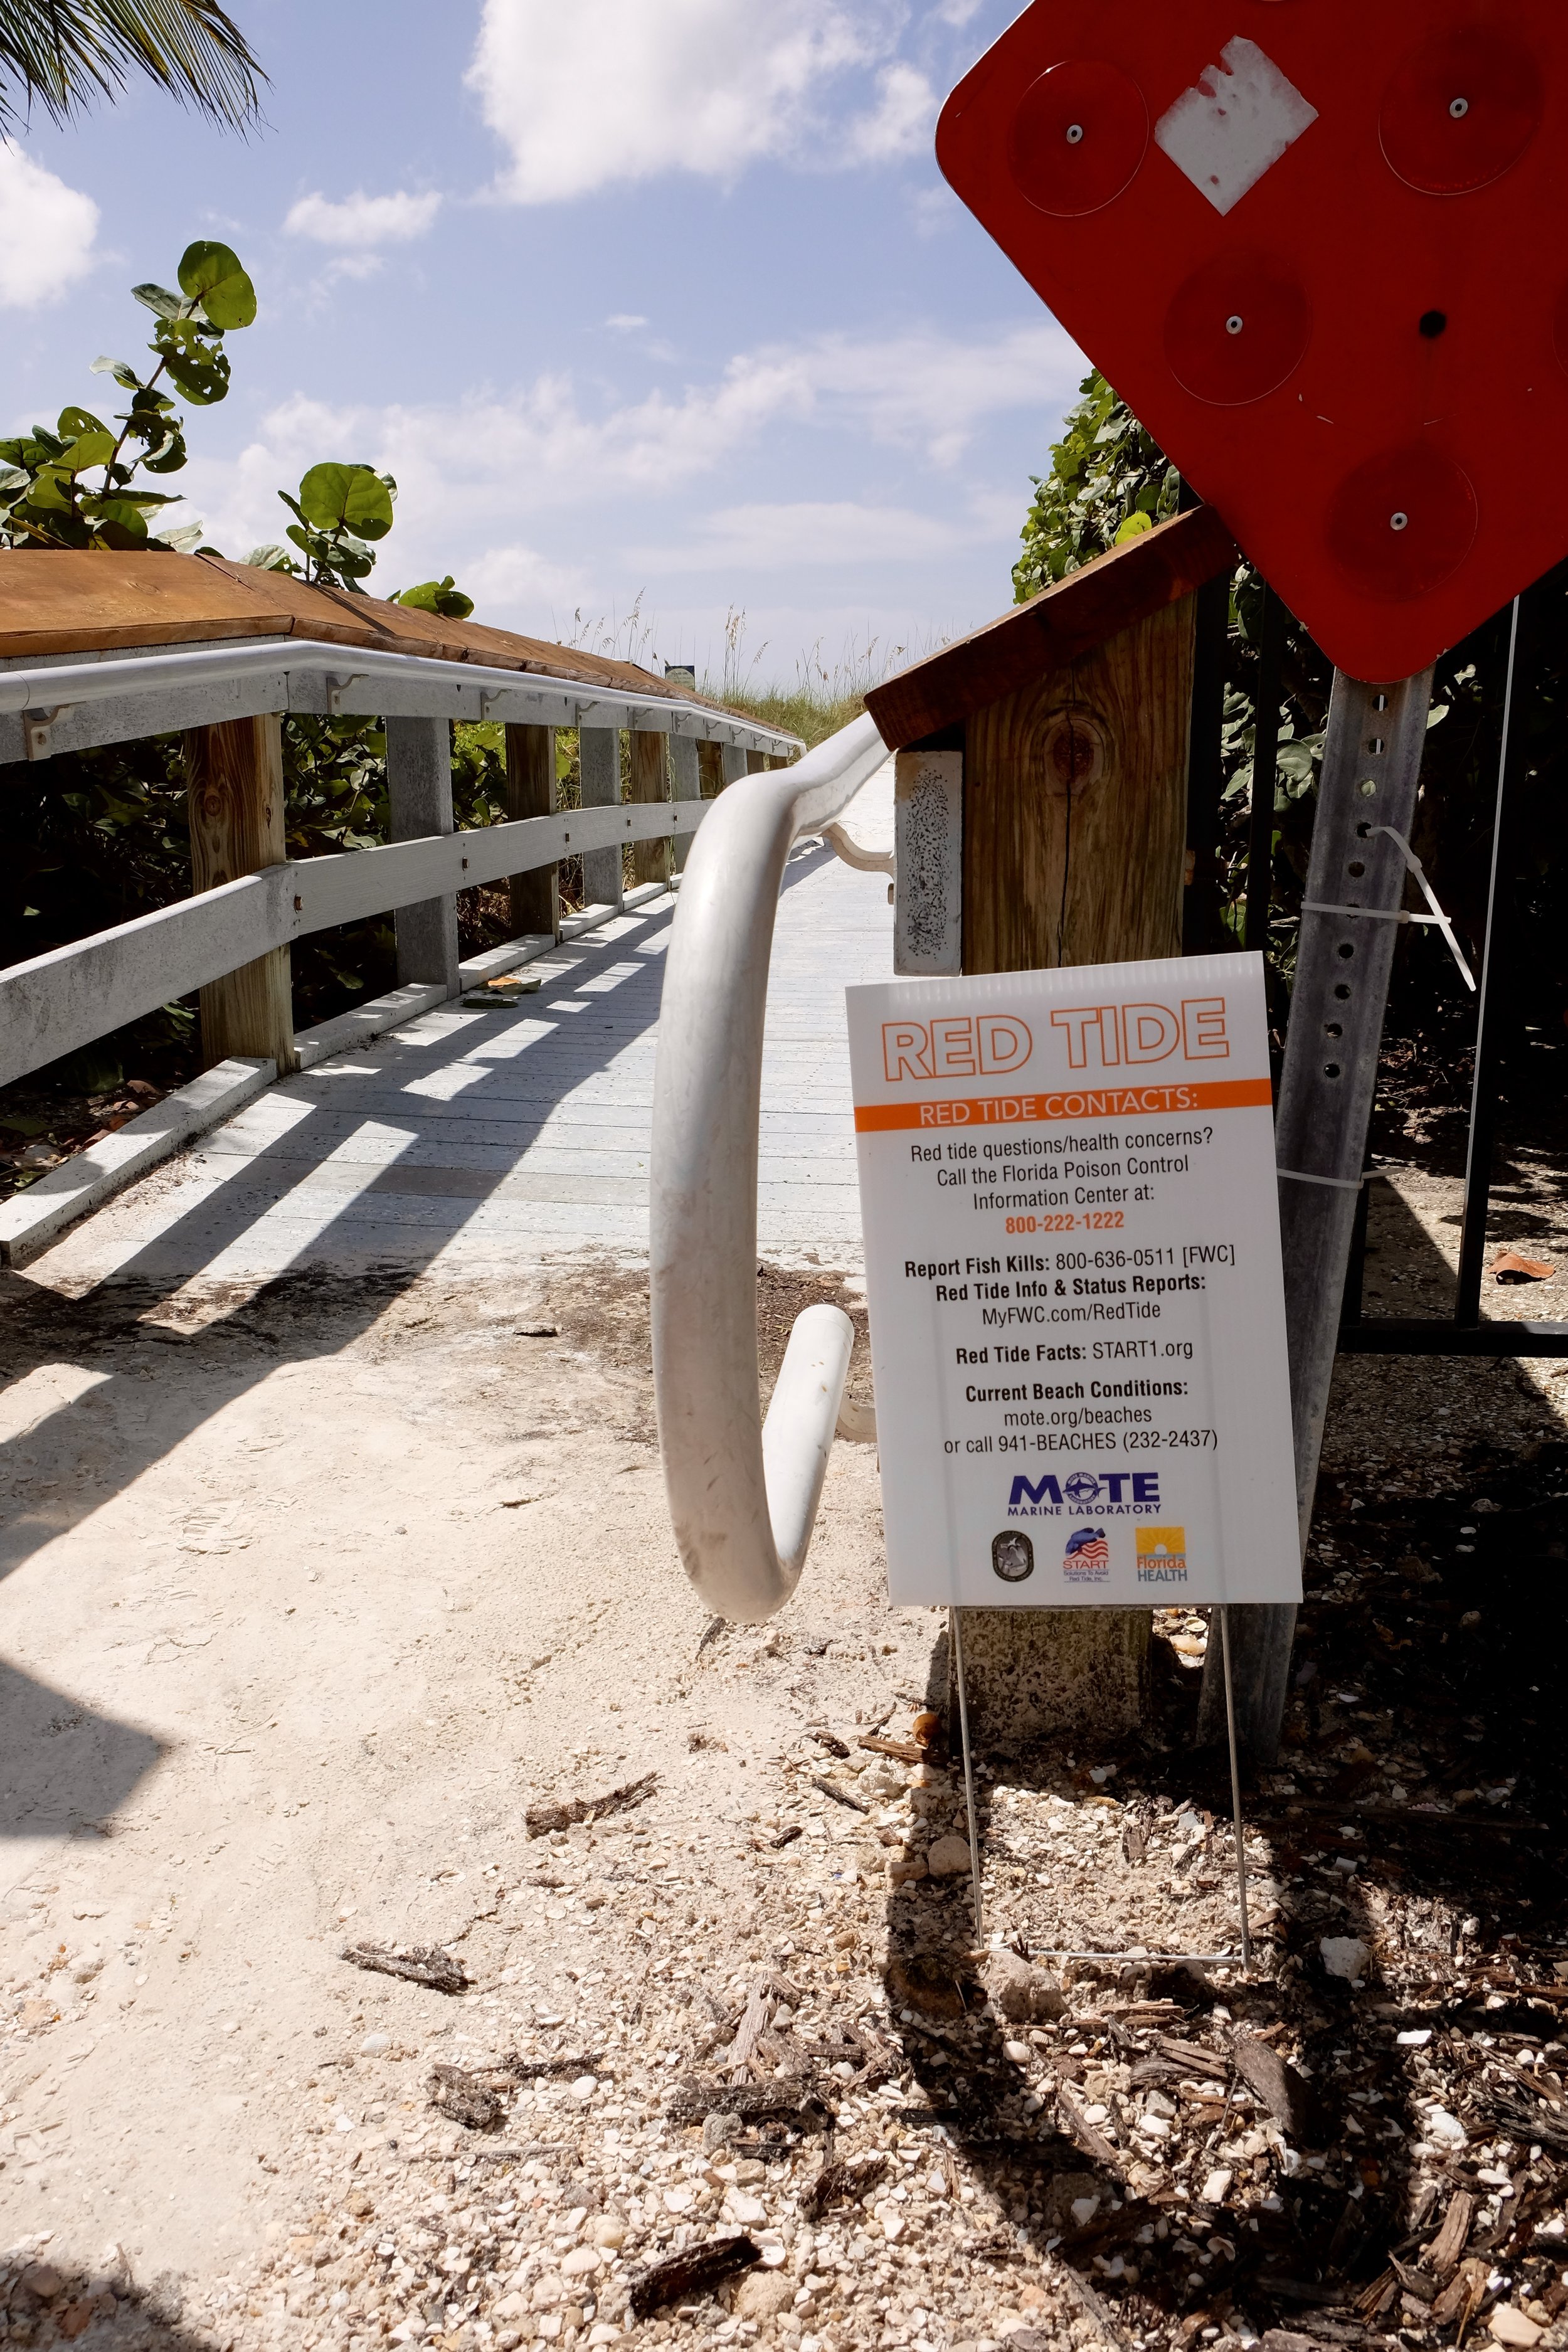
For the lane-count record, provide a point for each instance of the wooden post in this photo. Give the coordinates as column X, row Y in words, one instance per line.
column 535, row 898
column 235, row 776
column 710, row 767
column 650, row 781
column 1074, row 808
column 685, row 770
column 733, row 763
column 1074, row 847
column 419, row 788
column 599, row 764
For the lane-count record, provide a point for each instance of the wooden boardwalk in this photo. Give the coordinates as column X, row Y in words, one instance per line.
column 474, row 1139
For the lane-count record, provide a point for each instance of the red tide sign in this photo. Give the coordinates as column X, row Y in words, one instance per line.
column 1322, row 249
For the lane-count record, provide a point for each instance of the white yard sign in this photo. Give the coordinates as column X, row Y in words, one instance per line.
column 1078, row 1318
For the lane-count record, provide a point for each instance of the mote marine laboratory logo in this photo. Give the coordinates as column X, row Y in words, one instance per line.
column 1114, row 1494
column 1012, row 1556
column 1162, row 1555
column 1087, row 1557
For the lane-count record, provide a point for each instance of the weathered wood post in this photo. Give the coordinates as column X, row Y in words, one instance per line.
column 650, row 781
column 1041, row 820
column 599, row 762
column 235, row 782
column 733, row 763
column 684, row 758
column 419, row 789
column 686, row 774
column 536, row 898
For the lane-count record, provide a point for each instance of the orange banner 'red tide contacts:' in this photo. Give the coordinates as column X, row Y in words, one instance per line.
column 1077, row 1103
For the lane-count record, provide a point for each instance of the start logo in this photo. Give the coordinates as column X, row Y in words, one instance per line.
column 1162, row 1555
column 1087, row 1557
column 1123, row 1494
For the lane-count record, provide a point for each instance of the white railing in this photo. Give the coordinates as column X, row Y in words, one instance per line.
column 743, row 1496
column 81, row 701
column 55, row 1004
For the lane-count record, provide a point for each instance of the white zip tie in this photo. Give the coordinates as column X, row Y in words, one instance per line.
column 1437, row 918
column 1437, row 915
column 1338, row 1183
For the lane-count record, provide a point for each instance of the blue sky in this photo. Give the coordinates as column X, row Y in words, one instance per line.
column 656, row 298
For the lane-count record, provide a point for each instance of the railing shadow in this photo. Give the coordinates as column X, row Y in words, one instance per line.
column 437, row 1165
column 68, row 1767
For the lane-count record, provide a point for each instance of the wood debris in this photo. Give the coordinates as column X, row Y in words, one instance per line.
column 692, row 2275
column 423, row 1964
column 541, row 1819
column 837, row 2183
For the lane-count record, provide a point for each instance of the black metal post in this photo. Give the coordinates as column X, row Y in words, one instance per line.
column 1495, row 992
column 1265, row 771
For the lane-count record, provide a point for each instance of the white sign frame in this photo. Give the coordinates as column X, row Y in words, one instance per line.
column 1076, row 1304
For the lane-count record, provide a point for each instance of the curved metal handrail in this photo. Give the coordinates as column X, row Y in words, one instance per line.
column 743, row 1498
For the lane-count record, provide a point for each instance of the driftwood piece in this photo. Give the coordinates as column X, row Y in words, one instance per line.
column 1451, row 2240
column 1289, row 2097
column 1215, row 2064
column 684, row 2278
column 854, row 2180
column 1092, row 2142
column 539, row 1820
column 749, row 2032
column 793, row 2104
column 840, row 1796
column 1522, row 2119
column 423, row 1964
column 467, row 2099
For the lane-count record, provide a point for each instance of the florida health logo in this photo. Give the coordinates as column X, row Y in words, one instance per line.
column 1087, row 1557
column 1162, row 1555
column 1116, row 1494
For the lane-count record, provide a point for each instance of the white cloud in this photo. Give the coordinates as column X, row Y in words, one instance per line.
column 624, row 320
column 543, row 449
column 520, row 579
column 359, row 222
column 47, row 232
column 903, row 122
column 819, row 531
column 586, row 97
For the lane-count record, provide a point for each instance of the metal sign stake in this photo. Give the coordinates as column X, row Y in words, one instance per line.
column 953, row 1616
column 1236, row 1788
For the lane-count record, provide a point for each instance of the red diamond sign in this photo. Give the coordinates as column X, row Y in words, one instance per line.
column 1319, row 249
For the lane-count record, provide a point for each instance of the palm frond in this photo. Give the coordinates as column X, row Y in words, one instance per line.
column 58, row 54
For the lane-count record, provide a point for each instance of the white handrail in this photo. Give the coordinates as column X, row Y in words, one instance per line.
column 863, row 859
column 743, row 1501
column 54, row 700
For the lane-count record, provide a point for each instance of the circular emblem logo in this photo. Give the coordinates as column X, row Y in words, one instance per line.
column 1081, row 1488
column 1012, row 1556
